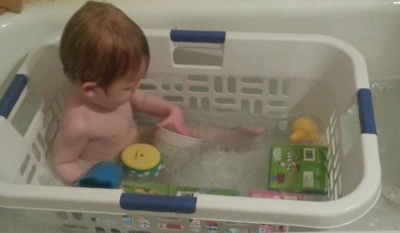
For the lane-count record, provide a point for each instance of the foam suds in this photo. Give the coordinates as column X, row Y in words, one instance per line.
column 392, row 193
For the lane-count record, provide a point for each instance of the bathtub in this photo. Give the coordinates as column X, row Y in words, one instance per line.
column 372, row 27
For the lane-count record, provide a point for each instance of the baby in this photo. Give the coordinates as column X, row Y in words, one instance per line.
column 104, row 55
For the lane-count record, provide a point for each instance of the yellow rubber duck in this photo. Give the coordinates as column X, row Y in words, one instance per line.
column 304, row 129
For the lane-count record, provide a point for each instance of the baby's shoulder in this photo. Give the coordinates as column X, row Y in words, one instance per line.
column 74, row 121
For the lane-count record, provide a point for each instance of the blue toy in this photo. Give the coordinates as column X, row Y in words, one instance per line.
column 102, row 175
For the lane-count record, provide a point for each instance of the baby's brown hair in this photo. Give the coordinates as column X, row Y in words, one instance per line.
column 101, row 44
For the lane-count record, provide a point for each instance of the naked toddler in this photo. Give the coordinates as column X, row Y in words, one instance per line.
column 104, row 56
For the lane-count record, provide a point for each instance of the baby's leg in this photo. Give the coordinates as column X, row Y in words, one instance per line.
column 238, row 139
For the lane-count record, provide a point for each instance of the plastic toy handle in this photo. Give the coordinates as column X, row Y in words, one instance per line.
column 366, row 109
column 102, row 175
column 12, row 95
column 214, row 37
column 145, row 202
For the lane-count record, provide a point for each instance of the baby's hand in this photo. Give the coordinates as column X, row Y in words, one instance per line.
column 175, row 122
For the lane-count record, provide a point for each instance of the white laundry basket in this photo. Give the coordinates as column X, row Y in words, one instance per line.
column 252, row 73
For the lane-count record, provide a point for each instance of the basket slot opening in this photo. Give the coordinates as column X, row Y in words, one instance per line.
column 75, row 227
column 148, row 87
column 273, row 87
column 77, row 216
column 218, row 84
column 174, row 99
column 31, row 174
column 61, row 215
column 36, row 152
column 193, row 105
column 51, row 130
column 258, row 107
column 252, row 91
column 205, row 104
column 24, row 165
column 199, row 89
column 41, row 141
column 47, row 119
column 201, row 56
column 27, row 110
column 286, row 87
column 245, row 106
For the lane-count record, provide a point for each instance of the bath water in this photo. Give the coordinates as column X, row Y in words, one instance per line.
column 234, row 161
column 386, row 102
column 385, row 214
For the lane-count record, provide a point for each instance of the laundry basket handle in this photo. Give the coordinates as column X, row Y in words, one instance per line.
column 172, row 204
column 214, row 37
column 367, row 119
column 12, row 95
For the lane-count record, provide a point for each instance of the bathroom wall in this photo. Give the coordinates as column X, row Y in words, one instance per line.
column 372, row 26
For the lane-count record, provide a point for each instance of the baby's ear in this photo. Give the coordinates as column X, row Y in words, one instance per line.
column 90, row 89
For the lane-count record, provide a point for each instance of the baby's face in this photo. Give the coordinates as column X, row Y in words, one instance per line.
column 119, row 92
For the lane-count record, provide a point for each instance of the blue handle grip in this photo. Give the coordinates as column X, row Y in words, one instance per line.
column 144, row 202
column 367, row 118
column 12, row 94
column 215, row 37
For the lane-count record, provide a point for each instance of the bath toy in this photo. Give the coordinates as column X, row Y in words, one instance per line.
column 299, row 169
column 174, row 139
column 146, row 187
column 102, row 175
column 304, row 129
column 141, row 160
column 155, row 188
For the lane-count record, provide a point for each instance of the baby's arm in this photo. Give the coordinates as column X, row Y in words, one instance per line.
column 67, row 147
column 153, row 105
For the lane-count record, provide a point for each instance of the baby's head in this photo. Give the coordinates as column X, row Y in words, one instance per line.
column 101, row 44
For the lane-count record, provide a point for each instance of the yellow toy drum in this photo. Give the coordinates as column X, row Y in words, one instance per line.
column 141, row 160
